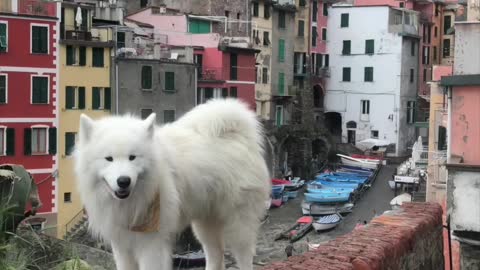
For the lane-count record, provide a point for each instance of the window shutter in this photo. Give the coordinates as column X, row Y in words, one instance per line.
column 27, row 141
column 344, row 20
column 369, row 46
column 3, row 37
column 169, row 81
column 70, row 97
column 70, row 55
column 281, row 83
column 52, row 140
column 233, row 92
column 108, row 99
column 83, row 56
column 43, row 39
column 10, row 137
column 146, row 77
column 35, row 39
column 224, row 92
column 97, row 54
column 281, row 50
column 81, row 98
column 69, row 142
column 95, row 98
column 44, row 89
column 3, row 85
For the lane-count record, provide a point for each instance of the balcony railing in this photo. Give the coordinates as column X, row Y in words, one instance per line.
column 211, row 73
column 81, row 33
column 29, row 7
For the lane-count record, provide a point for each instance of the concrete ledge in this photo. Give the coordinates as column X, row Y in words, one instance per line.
column 408, row 238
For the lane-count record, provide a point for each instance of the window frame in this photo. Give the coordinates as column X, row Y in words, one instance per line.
column 344, row 20
column 266, row 41
column 165, row 116
column 412, row 75
column 151, row 78
column 372, row 134
column 411, row 106
column 76, row 98
column 31, row 89
column 265, row 76
column 372, row 47
column 365, row 107
column 324, row 34
column 301, row 26
column 6, row 36
column 344, row 78
column 281, row 50
column 3, row 141
column 67, row 195
column 31, row 38
column 282, row 24
column 279, row 122
column 145, row 109
column 346, row 47
column 68, row 153
column 46, row 140
column 325, row 10
column 6, row 88
column 166, row 84
column 93, row 56
column 256, row 9
column 366, row 71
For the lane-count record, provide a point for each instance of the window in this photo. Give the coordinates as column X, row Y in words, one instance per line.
column 120, row 40
column 168, row 116
column 39, row 39
column 146, row 77
column 255, row 9
column 281, row 50
column 346, row 74
column 447, row 23
column 314, row 10
column 76, row 56
column 67, row 197
column 442, row 138
column 196, row 26
column 412, row 75
column 346, row 47
column 374, row 134
column 2, row 140
column 224, row 92
column 318, row 63
column 324, row 34
column 265, row 75
column 369, row 46
column 344, row 20
column 238, row 16
column 434, row 53
column 279, row 115
column 266, row 11
column 144, row 113
column 69, row 143
column 169, row 81
column 424, row 75
column 327, row 60
column 3, row 37
column 299, row 63
column 410, row 112
column 227, row 14
column 74, row 98
column 281, row 19
column 314, row 36
column 38, row 140
column 39, row 90
column 233, row 66
column 301, row 28
column 266, row 38
column 7, row 141
column 325, row 9
column 101, row 98
column 281, row 84
column 368, row 76
column 97, row 57
column 365, row 106
column 3, row 89
column 446, row 47
column 401, row 4
column 429, row 34
column 233, row 92
column 412, row 48
column 302, row 3
column 143, row 3
column 435, row 31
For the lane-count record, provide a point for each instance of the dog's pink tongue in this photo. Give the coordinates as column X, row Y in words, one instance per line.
column 151, row 222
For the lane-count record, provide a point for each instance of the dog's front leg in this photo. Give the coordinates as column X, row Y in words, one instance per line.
column 124, row 259
column 156, row 256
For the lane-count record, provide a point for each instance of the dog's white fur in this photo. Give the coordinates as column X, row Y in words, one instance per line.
column 208, row 168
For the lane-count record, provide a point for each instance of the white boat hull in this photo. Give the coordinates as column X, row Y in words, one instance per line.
column 396, row 202
column 366, row 165
column 323, row 227
column 322, row 209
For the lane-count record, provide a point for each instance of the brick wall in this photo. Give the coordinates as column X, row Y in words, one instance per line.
column 409, row 238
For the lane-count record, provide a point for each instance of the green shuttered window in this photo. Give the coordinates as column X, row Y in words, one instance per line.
column 168, row 116
column 39, row 39
column 10, row 142
column 39, row 90
column 169, row 81
column 344, row 20
column 101, row 98
column 69, row 143
column 3, row 89
column 74, row 97
column 368, row 74
column 369, row 46
column 198, row 26
column 146, row 77
column 3, row 37
column 97, row 57
column 281, row 83
column 346, row 74
column 281, row 50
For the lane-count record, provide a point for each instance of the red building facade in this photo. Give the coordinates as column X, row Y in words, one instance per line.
column 28, row 78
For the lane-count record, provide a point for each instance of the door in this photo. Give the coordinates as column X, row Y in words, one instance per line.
column 279, row 116
column 351, row 136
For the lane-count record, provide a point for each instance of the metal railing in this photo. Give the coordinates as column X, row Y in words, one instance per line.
column 74, row 221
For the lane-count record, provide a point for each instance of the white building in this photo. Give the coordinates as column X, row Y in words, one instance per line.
column 374, row 66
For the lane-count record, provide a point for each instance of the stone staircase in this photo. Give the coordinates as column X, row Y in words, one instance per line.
column 77, row 232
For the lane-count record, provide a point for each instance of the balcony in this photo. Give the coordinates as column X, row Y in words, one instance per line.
column 28, row 7
column 323, row 72
column 82, row 35
column 404, row 22
column 211, row 74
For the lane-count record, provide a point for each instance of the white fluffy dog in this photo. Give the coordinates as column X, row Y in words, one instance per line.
column 142, row 184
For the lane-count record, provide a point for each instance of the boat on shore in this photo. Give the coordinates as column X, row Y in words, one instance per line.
column 317, row 209
column 301, row 227
column 362, row 163
column 327, row 222
column 396, row 202
column 327, row 197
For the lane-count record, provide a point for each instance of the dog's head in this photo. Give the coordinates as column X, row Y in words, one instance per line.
column 115, row 153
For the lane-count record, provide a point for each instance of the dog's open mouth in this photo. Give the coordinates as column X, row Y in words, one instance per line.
column 122, row 194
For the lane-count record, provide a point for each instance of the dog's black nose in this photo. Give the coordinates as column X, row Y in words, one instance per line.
column 123, row 181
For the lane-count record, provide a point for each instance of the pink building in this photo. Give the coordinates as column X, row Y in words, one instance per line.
column 226, row 66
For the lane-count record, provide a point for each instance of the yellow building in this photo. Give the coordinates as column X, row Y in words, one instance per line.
column 84, row 87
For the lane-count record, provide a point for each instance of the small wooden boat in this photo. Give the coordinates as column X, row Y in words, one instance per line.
column 317, row 209
column 333, row 184
column 298, row 230
column 342, row 178
column 189, row 259
column 292, row 194
column 327, row 222
column 327, row 197
column 396, row 202
column 329, row 190
column 358, row 162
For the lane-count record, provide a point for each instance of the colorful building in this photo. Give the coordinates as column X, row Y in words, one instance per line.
column 84, row 87
column 28, row 94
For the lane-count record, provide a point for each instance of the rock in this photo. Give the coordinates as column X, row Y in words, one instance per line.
column 74, row 264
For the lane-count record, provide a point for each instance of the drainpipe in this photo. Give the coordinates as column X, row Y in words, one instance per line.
column 449, row 123
column 196, row 82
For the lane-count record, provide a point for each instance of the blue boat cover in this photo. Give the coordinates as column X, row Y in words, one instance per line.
column 329, row 219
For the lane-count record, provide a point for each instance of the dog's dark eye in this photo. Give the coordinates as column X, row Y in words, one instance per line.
column 131, row 157
column 109, row 159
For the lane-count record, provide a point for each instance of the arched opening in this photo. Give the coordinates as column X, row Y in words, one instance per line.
column 351, row 132
column 320, row 151
column 318, row 97
column 333, row 122
column 290, row 156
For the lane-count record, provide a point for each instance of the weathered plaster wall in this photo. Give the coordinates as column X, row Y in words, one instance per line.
column 467, row 48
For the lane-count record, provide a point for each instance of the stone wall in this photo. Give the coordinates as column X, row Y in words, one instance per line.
column 408, row 238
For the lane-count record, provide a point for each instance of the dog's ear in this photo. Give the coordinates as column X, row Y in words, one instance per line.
column 150, row 123
column 86, row 127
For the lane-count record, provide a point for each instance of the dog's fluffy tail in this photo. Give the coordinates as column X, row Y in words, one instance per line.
column 225, row 118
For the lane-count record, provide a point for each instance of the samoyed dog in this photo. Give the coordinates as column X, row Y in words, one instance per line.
column 142, row 183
